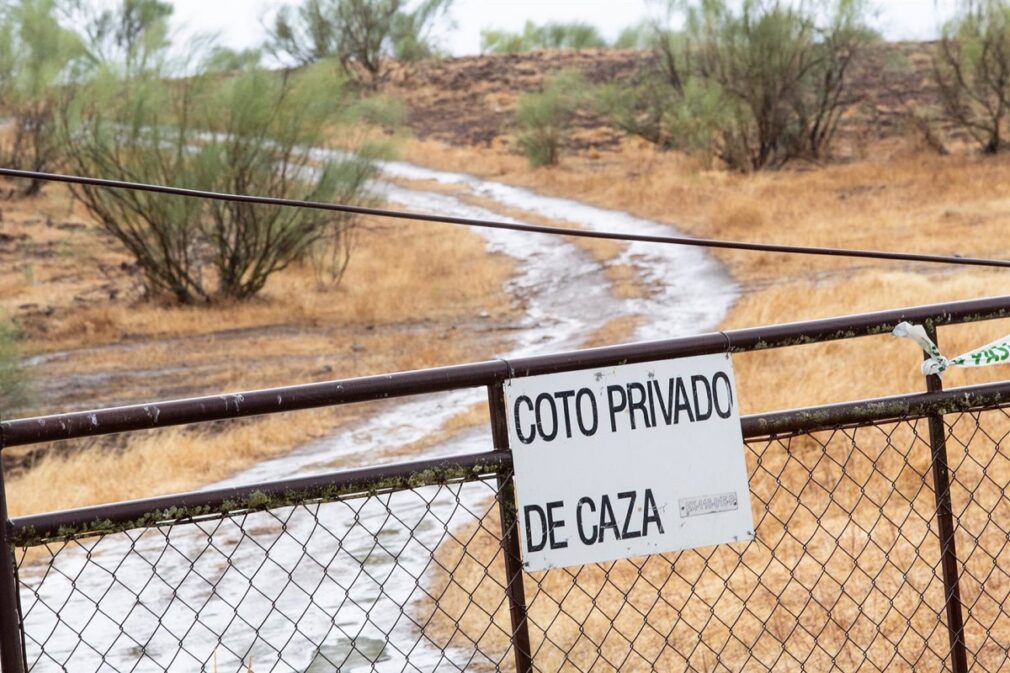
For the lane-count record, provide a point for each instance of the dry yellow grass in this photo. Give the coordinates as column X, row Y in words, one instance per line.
column 860, row 368
column 403, row 305
column 398, row 274
column 845, row 574
column 905, row 201
column 157, row 462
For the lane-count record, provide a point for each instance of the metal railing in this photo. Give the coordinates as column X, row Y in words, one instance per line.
column 881, row 542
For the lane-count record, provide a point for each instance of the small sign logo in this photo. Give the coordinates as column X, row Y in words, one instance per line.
column 707, row 504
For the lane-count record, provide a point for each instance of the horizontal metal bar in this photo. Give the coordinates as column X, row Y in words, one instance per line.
column 39, row 529
column 876, row 411
column 237, row 405
column 101, row 519
column 768, row 337
column 253, row 403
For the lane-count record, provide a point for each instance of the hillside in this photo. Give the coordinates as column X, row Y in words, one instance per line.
column 470, row 100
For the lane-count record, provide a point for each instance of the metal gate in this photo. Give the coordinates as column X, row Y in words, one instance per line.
column 882, row 542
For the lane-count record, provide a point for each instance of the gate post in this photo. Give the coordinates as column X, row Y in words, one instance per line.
column 12, row 653
column 945, row 526
column 510, row 535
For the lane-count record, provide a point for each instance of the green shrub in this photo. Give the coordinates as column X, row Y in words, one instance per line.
column 691, row 118
column 554, row 35
column 543, row 118
column 358, row 34
column 754, row 87
column 13, row 382
column 37, row 57
column 249, row 133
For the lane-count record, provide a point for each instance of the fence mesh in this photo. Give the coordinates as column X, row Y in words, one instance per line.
column 978, row 447
column 844, row 575
column 343, row 586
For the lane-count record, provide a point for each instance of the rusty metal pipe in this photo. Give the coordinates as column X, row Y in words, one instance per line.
column 102, row 519
column 945, row 525
column 11, row 636
column 36, row 529
column 253, row 403
column 238, row 405
column 878, row 410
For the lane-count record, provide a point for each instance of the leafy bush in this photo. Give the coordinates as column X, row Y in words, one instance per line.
column 251, row 133
column 129, row 32
column 12, row 378
column 553, row 35
column 972, row 70
column 754, row 88
column 640, row 36
column 543, row 118
column 690, row 118
column 37, row 57
column 359, row 34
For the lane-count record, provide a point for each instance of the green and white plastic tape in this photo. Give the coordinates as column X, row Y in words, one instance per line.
column 995, row 353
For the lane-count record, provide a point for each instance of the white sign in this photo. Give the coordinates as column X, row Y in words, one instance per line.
column 627, row 461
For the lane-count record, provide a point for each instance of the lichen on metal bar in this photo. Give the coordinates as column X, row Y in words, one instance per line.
column 31, row 531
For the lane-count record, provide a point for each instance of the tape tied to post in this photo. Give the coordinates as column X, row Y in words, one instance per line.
column 995, row 353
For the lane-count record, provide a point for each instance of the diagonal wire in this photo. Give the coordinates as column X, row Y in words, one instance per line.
column 955, row 259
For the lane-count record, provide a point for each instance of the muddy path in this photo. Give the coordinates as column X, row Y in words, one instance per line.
column 103, row 385
column 565, row 295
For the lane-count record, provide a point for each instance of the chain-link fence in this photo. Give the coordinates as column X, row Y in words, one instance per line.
column 882, row 543
column 844, row 574
column 344, row 585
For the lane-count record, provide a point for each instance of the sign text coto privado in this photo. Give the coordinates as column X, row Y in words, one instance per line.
column 633, row 460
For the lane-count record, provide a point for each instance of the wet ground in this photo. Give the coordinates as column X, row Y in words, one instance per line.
column 566, row 296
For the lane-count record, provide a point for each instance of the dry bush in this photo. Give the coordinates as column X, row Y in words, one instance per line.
column 247, row 134
column 971, row 69
column 369, row 325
